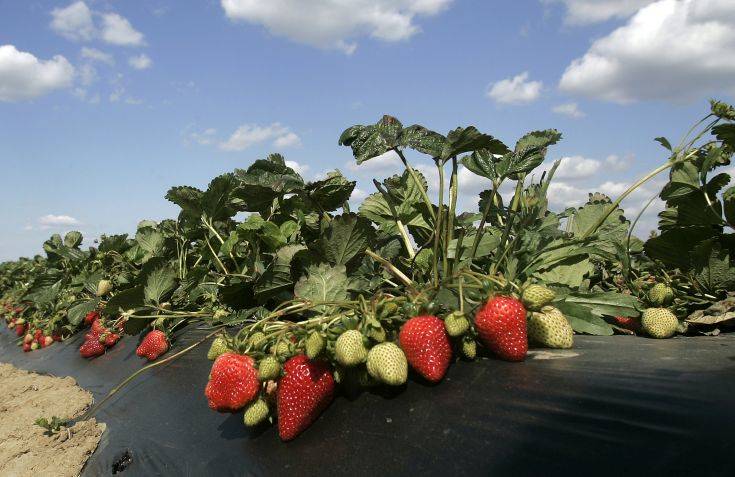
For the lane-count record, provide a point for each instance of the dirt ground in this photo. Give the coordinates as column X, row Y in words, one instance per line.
column 24, row 448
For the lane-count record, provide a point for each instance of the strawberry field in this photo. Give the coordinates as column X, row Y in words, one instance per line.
column 299, row 297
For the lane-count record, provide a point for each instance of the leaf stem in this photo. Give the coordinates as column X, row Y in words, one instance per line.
column 390, row 267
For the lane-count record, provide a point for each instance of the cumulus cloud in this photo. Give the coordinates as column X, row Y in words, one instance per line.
column 569, row 109
column 94, row 54
column 577, row 167
column 23, row 76
column 516, row 90
column 584, row 12
column 246, row 136
column 51, row 220
column 117, row 30
column 74, row 22
column 249, row 135
column 289, row 139
column 387, row 161
column 335, row 25
column 78, row 22
column 670, row 50
column 140, row 62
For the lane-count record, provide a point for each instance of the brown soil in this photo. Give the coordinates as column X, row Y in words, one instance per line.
column 25, row 449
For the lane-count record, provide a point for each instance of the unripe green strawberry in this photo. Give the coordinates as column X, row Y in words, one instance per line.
column 387, row 363
column 218, row 348
column 550, row 328
column 255, row 413
column 104, row 287
column 256, row 340
column 660, row 294
column 469, row 347
column 659, row 322
column 314, row 345
column 536, row 297
column 269, row 368
column 282, row 349
column 349, row 349
column 456, row 324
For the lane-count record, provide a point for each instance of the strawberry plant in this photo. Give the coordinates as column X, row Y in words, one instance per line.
column 304, row 295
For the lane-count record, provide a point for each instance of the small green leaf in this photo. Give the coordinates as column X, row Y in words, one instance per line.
column 323, row 283
column 160, row 283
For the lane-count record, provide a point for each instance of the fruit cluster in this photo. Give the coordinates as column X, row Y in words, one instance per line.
column 295, row 370
column 657, row 321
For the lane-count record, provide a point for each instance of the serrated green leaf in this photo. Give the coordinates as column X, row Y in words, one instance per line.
column 159, row 284
column 323, row 283
column 346, row 237
column 372, row 141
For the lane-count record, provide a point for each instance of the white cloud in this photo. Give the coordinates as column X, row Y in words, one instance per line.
column 205, row 137
column 516, row 90
column 358, row 194
column 94, row 54
column 583, row 12
column 140, row 62
column 569, row 109
column 51, row 220
column 618, row 163
column 670, row 50
column 23, row 76
column 248, row 135
column 73, row 22
column 78, row 22
column 334, row 25
column 287, row 140
column 577, row 167
column 117, row 30
column 300, row 169
column 116, row 94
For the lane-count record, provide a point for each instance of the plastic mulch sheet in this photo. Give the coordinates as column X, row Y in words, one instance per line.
column 611, row 406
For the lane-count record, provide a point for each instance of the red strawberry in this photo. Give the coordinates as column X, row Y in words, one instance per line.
column 37, row 335
column 97, row 327
column 628, row 322
column 91, row 349
column 56, row 336
column 91, row 317
column 153, row 345
column 233, row 382
column 501, row 324
column 20, row 329
column 111, row 339
column 26, row 347
column 303, row 393
column 426, row 344
column 28, row 338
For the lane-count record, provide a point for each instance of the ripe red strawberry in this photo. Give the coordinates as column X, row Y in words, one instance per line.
column 109, row 339
column 628, row 322
column 20, row 330
column 501, row 324
column 56, row 335
column 26, row 347
column 97, row 327
column 425, row 341
column 233, row 382
column 91, row 349
column 28, row 338
column 37, row 335
column 303, row 393
column 153, row 345
column 91, row 317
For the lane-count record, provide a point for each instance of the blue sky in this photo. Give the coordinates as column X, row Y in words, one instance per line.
column 106, row 104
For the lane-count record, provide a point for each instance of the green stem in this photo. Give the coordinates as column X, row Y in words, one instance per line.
column 418, row 182
column 483, row 219
column 449, row 233
column 216, row 258
column 593, row 228
column 438, row 227
column 509, row 223
column 390, row 267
